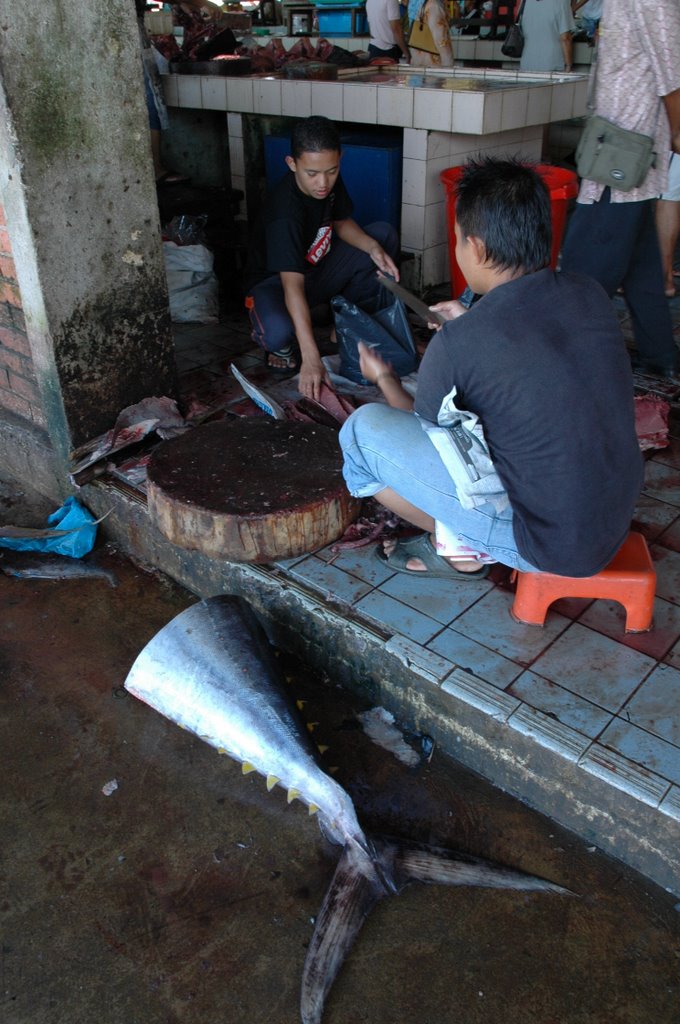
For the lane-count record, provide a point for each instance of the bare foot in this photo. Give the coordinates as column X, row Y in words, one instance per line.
column 417, row 565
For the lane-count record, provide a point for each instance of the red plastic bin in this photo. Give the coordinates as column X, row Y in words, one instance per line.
column 562, row 186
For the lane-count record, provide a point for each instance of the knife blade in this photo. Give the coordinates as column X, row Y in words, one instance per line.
column 412, row 301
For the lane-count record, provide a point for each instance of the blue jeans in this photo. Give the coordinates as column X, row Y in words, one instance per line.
column 346, row 271
column 385, row 447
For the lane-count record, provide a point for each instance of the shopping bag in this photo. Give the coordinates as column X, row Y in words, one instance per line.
column 387, row 330
column 513, row 44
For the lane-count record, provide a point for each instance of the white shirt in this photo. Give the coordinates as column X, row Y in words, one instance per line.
column 380, row 13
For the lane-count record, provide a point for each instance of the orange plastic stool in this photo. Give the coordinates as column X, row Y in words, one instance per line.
column 629, row 579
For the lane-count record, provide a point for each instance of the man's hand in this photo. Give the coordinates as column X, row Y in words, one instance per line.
column 383, row 262
column 451, row 309
column 312, row 375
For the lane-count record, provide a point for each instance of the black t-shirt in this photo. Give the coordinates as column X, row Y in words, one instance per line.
column 542, row 362
column 294, row 231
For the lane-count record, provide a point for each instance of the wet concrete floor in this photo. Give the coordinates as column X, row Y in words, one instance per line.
column 187, row 895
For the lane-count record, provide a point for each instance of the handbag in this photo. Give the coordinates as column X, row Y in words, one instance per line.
column 420, row 36
column 513, row 44
column 387, row 330
column 610, row 155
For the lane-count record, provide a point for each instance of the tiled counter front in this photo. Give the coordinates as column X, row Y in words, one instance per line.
column 445, row 119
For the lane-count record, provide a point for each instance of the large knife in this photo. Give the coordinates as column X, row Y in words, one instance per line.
column 412, row 301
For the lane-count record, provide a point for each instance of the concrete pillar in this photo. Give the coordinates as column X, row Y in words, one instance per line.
column 77, row 187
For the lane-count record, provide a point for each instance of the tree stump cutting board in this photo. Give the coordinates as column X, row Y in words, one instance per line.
column 251, row 490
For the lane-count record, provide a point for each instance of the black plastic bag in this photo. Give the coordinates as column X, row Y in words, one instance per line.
column 386, row 330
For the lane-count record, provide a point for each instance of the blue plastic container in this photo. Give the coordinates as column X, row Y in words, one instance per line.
column 337, row 20
column 371, row 170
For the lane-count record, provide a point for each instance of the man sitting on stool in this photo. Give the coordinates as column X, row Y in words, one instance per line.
column 541, row 361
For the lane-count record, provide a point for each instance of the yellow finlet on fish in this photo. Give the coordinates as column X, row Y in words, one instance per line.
column 293, row 794
column 247, row 767
column 313, row 809
column 271, row 782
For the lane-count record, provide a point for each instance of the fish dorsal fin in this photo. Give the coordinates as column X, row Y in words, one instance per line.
column 271, row 781
column 247, row 767
column 293, row 794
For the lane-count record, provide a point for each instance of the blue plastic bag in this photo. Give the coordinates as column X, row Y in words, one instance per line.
column 71, row 516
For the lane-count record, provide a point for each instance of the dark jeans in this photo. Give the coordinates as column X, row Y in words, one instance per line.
column 344, row 271
column 617, row 244
column 374, row 51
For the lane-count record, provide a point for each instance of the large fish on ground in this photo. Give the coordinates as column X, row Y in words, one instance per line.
column 212, row 671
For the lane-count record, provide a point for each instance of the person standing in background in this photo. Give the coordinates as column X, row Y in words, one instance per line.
column 668, row 223
column 612, row 235
column 386, row 31
column 548, row 26
column 433, row 15
column 589, row 16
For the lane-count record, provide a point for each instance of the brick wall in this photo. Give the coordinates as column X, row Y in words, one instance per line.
column 18, row 387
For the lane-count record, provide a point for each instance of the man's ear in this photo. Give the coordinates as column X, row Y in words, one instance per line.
column 478, row 248
column 290, row 163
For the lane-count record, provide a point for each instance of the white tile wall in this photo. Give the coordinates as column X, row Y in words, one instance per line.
column 435, row 266
column 395, row 107
column 189, row 91
column 360, row 103
column 435, row 222
column 413, row 179
column 169, row 85
column 432, row 109
column 538, row 106
column 415, row 142
column 493, row 106
column 412, row 226
column 514, row 112
column 327, row 100
column 236, row 157
column 296, row 99
column 267, row 96
column 240, row 94
column 235, row 124
column 468, row 112
column 562, row 103
column 214, row 92
column 434, row 190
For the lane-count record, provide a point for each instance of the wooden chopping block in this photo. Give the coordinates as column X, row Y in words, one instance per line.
column 251, row 490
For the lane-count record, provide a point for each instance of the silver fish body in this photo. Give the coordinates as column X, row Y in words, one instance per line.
column 212, row 671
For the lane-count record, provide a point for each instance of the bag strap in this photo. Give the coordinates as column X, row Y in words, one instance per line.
column 590, row 97
column 520, row 13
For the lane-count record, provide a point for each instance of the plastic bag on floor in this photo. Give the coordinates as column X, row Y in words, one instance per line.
column 73, row 533
column 193, row 290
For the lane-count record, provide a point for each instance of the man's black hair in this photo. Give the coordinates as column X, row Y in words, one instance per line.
column 314, row 135
column 506, row 203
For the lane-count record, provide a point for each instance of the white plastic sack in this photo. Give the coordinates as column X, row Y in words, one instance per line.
column 192, row 285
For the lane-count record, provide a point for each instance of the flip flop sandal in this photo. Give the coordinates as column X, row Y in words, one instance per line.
column 292, row 362
column 436, row 566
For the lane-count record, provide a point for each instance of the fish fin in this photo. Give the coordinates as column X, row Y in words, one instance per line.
column 322, row 748
column 408, row 861
column 247, row 767
column 271, row 781
column 299, row 704
column 351, row 896
column 311, row 726
column 293, row 794
column 313, row 809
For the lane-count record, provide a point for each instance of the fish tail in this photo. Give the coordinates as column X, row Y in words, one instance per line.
column 368, row 872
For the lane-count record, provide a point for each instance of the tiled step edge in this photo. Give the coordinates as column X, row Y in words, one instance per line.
column 623, row 774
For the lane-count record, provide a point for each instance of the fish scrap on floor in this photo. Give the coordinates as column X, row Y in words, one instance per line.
column 212, row 671
column 32, row 565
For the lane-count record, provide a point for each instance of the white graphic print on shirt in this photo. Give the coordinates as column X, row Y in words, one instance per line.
column 321, row 245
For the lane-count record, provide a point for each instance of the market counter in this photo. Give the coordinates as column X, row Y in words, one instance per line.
column 446, row 116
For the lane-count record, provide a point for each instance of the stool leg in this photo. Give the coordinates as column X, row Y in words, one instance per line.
column 530, row 608
column 639, row 613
